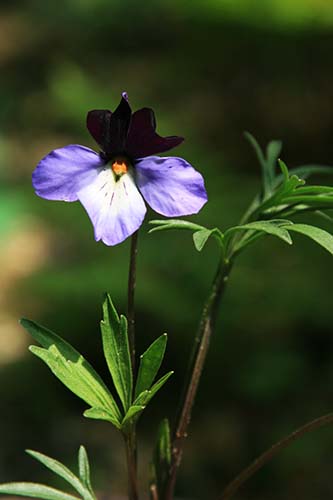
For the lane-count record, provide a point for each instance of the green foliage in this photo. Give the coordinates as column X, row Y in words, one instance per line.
column 150, row 362
column 272, row 227
column 200, row 233
column 35, row 490
column 84, row 468
column 116, row 351
column 200, row 238
column 161, row 457
column 72, row 369
column 267, row 162
column 318, row 235
column 283, row 195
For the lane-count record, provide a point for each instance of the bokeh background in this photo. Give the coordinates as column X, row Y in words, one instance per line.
column 211, row 69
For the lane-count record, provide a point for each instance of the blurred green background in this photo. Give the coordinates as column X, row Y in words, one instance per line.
column 210, row 69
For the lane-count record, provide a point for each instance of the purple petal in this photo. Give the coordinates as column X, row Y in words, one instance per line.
column 116, row 208
column 98, row 124
column 119, row 124
column 142, row 140
column 63, row 172
column 171, row 186
column 110, row 129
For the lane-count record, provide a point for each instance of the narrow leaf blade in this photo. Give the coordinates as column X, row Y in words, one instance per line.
column 116, row 351
column 200, row 238
column 146, row 396
column 162, row 457
column 320, row 236
column 133, row 413
column 62, row 471
column 72, row 369
column 35, row 490
column 84, row 468
column 267, row 227
column 167, row 224
column 150, row 363
column 101, row 414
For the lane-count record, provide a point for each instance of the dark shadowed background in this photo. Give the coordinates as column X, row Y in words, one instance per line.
column 211, row 70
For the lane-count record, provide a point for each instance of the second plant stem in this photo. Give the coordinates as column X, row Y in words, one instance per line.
column 200, row 349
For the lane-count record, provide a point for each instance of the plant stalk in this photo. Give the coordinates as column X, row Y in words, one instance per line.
column 265, row 457
column 131, row 296
column 130, row 436
column 197, row 361
column 130, row 445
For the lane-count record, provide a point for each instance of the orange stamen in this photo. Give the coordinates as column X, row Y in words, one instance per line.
column 120, row 166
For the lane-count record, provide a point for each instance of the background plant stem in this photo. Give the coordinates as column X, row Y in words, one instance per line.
column 197, row 360
column 234, row 486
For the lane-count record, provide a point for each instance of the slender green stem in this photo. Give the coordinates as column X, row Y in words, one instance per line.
column 197, row 360
column 130, row 444
column 131, row 296
column 234, row 486
column 130, row 436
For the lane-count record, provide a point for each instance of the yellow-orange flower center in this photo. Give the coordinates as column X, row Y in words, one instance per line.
column 120, row 166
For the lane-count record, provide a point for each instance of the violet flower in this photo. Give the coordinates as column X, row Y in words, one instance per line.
column 113, row 184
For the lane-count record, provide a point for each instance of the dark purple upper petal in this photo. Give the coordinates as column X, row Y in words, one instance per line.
column 142, row 140
column 110, row 129
column 98, row 124
column 119, row 125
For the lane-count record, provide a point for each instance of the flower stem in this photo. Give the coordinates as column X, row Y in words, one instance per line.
column 130, row 444
column 130, row 435
column 131, row 296
column 265, row 457
column 197, row 360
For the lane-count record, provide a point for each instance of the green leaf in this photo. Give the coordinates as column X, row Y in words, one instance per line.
column 84, row 468
column 305, row 171
column 72, row 369
column 200, row 238
column 146, row 396
column 273, row 151
column 35, row 490
column 62, row 471
column 257, row 149
column 268, row 227
column 150, row 362
column 310, row 200
column 319, row 190
column 162, row 457
column 318, row 235
column 101, row 414
column 267, row 164
column 164, row 441
column 132, row 414
column 116, row 351
column 167, row 224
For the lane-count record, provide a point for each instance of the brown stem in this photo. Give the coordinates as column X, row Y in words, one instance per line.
column 199, row 353
column 233, row 487
column 131, row 297
column 130, row 443
column 130, row 436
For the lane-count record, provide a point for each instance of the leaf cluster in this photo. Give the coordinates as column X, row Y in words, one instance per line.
column 74, row 371
column 284, row 195
column 80, row 483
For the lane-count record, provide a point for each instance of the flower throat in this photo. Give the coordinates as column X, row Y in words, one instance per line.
column 120, row 166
